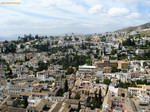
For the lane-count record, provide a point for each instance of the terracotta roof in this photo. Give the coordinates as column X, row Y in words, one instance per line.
column 71, row 101
column 57, row 107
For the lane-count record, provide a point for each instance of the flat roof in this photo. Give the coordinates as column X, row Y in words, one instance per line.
column 87, row 66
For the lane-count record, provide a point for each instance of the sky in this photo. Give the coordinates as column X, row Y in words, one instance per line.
column 52, row 17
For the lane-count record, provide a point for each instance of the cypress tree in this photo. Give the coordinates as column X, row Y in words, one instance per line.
column 100, row 97
column 79, row 106
column 66, row 86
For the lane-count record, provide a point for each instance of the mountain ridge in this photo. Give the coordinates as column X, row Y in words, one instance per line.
column 134, row 28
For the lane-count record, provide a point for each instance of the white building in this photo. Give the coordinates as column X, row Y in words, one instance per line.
column 44, row 76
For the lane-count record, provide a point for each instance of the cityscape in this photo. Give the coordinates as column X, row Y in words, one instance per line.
column 68, row 63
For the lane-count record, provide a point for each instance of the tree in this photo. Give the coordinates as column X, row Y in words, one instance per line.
column 88, row 61
column 97, row 51
column 1, row 49
column 36, row 36
column 66, row 86
column 129, row 42
column 76, row 39
column 88, row 101
column 22, row 46
column 11, row 48
column 79, row 106
column 88, row 39
column 93, row 104
column 77, row 96
column 96, row 100
column 107, row 81
column 69, row 94
column 10, row 74
column 26, row 59
column 114, row 69
column 42, row 66
column 70, row 39
column 113, row 51
column 25, row 99
column 100, row 97
column 97, row 81
column 60, row 92
column 103, row 38
column 70, row 70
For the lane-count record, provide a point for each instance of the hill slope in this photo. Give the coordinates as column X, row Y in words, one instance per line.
column 130, row 29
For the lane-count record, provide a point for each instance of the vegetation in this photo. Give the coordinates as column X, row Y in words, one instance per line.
column 10, row 48
column 77, row 96
column 94, row 102
column 42, row 66
column 66, row 86
column 145, row 33
column 129, row 42
column 60, row 92
column 79, row 106
column 126, row 84
column 97, row 81
column 42, row 47
column 107, row 81
column 70, row 70
column 142, row 82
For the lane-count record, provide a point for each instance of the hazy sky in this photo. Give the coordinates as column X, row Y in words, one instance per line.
column 66, row 16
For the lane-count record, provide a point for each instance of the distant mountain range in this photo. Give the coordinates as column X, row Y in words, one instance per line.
column 135, row 28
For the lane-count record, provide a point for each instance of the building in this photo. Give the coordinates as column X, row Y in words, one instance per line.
column 104, row 63
column 123, row 65
column 139, row 90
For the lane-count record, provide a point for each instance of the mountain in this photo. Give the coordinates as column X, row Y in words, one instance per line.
column 135, row 28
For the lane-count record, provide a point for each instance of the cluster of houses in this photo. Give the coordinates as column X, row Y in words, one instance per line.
column 32, row 90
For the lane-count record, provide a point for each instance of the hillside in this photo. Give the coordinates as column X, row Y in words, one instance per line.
column 145, row 33
column 130, row 29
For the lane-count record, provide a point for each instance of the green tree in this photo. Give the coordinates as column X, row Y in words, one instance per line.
column 96, row 100
column 76, row 39
column 77, row 96
column 1, row 49
column 129, row 42
column 42, row 66
column 22, row 46
column 107, row 81
column 70, row 70
column 60, row 92
column 79, row 106
column 25, row 102
column 93, row 104
column 97, row 81
column 11, row 48
column 113, row 51
column 69, row 94
column 66, row 86
column 88, row 39
column 100, row 97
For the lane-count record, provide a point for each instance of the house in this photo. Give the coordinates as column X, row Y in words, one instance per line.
column 106, row 63
column 40, row 106
column 139, row 90
column 44, row 76
column 140, row 52
column 107, row 69
column 16, row 87
column 11, row 104
column 87, row 68
column 123, row 65
column 3, row 84
column 72, row 102
column 113, row 91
